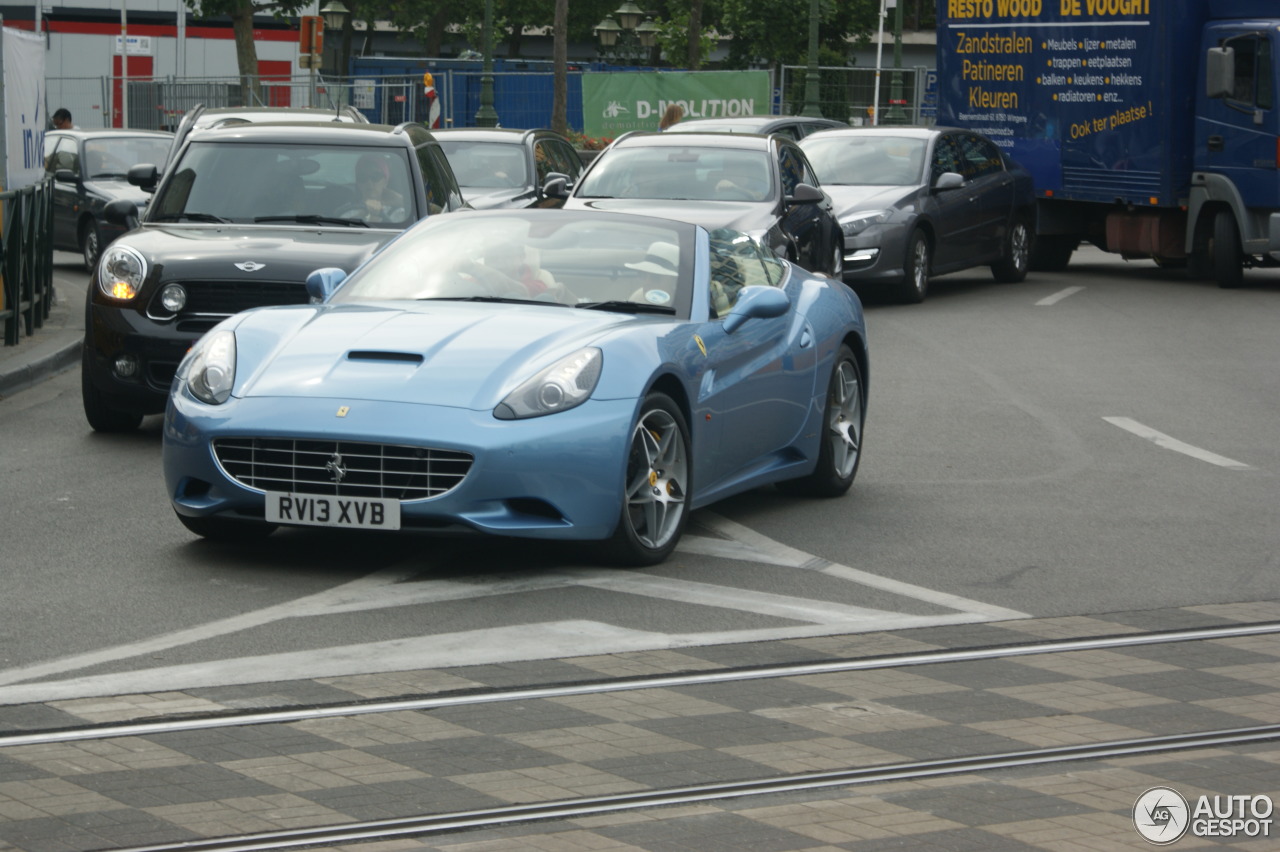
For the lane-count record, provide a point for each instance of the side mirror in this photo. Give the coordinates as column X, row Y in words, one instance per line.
column 556, row 186
column 755, row 301
column 948, row 181
column 322, row 283
column 123, row 212
column 65, row 176
column 1219, row 72
column 805, row 194
column 144, row 176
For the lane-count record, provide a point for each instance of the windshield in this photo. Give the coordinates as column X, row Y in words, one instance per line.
column 866, row 160
column 685, row 173
column 587, row 260
column 260, row 182
column 113, row 157
column 487, row 165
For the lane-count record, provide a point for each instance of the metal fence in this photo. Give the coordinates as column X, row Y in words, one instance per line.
column 849, row 94
column 26, row 259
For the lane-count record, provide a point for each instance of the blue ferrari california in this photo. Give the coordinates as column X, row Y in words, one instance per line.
column 534, row 373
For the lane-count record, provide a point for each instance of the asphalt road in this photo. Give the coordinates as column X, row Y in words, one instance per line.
column 1097, row 440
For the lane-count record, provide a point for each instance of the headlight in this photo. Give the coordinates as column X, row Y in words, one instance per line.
column 565, row 384
column 121, row 272
column 211, row 371
column 860, row 221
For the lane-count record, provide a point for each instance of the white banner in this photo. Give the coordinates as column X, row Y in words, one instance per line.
column 24, row 117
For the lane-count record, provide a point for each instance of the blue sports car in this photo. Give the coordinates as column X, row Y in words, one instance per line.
column 534, row 373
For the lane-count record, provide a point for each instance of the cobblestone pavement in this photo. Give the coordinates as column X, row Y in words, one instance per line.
column 184, row 786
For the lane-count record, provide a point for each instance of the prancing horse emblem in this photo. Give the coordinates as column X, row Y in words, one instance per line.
column 337, row 472
column 250, row 266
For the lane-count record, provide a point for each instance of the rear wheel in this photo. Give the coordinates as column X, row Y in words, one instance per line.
column 226, row 529
column 656, row 488
column 915, row 280
column 1228, row 262
column 841, row 447
column 1012, row 266
column 102, row 416
column 90, row 244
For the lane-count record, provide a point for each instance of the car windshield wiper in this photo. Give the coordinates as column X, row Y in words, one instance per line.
column 192, row 217
column 504, row 299
column 313, row 220
column 627, row 307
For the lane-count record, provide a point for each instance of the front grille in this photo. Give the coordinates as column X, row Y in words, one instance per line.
column 347, row 468
column 232, row 297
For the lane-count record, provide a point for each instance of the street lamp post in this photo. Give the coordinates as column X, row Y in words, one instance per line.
column 632, row 27
column 487, row 116
column 896, row 114
column 335, row 15
column 811, row 106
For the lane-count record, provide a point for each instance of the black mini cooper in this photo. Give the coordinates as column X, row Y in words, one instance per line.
column 238, row 220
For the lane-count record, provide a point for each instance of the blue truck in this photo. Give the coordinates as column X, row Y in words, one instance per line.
column 1151, row 127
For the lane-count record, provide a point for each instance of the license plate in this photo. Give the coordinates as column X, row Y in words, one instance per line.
column 319, row 510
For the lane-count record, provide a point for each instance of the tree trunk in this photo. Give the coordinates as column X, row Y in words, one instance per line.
column 560, row 59
column 246, row 53
column 694, row 57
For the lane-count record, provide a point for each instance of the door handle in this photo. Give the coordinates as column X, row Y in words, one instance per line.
column 1216, row 142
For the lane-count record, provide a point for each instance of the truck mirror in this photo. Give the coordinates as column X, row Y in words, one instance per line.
column 1219, row 72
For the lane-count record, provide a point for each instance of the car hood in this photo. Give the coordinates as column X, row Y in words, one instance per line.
column 850, row 199
column 455, row 354
column 117, row 190
column 487, row 198
column 739, row 215
column 277, row 254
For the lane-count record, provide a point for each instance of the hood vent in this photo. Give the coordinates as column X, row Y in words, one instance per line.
column 398, row 357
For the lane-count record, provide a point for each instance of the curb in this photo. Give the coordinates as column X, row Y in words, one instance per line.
column 38, row 369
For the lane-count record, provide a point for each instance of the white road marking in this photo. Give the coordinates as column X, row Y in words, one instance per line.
column 1160, row 439
column 549, row 640
column 1059, row 296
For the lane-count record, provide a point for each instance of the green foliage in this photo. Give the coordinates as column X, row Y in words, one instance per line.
column 777, row 31
column 673, row 39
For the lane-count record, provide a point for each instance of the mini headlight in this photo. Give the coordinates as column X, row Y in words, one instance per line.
column 121, row 272
column 211, row 371
column 565, row 384
column 863, row 219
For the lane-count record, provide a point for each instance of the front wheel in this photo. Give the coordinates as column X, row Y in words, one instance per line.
column 915, row 280
column 102, row 416
column 1228, row 262
column 656, row 487
column 90, row 244
column 1052, row 252
column 836, row 268
column 841, row 447
column 1013, row 264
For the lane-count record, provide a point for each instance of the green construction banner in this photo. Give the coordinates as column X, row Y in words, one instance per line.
column 614, row 102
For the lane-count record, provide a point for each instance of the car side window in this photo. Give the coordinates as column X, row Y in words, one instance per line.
column 981, row 157
column 946, row 158
column 791, row 168
column 569, row 161
column 66, row 155
column 544, row 157
column 446, row 182
column 738, row 261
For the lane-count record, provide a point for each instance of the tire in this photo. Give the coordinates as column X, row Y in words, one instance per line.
column 1228, row 262
column 656, row 489
column 90, row 244
column 226, row 529
column 102, row 416
column 1012, row 266
column 841, row 448
column 836, row 269
column 1052, row 252
column 915, row 280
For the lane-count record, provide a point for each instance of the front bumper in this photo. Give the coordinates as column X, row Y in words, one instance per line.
column 553, row 477
column 154, row 348
column 877, row 255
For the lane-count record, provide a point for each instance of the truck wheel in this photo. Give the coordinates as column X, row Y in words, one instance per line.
column 1228, row 262
column 1052, row 252
column 915, row 280
column 1012, row 266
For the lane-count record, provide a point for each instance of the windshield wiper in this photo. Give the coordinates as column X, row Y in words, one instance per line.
column 193, row 217
column 503, row 299
column 310, row 219
column 627, row 307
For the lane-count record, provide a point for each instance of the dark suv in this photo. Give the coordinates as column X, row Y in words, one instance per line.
column 238, row 221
